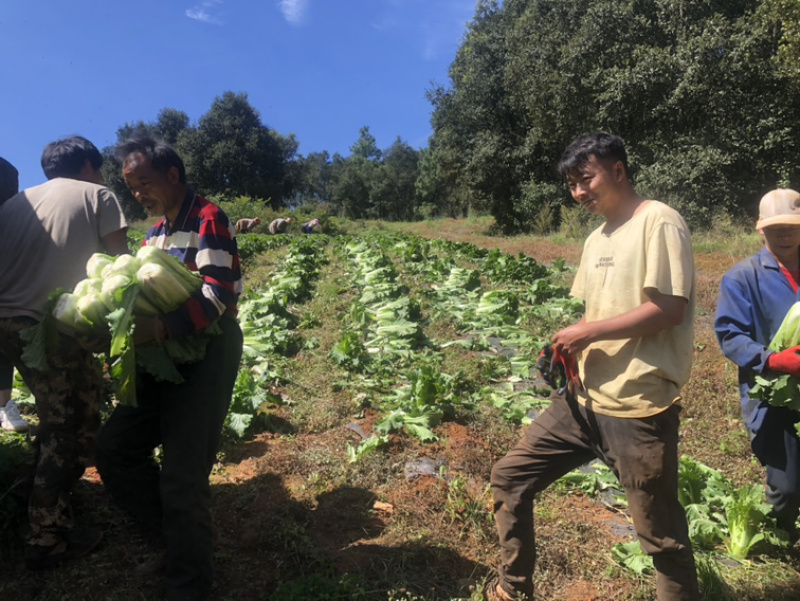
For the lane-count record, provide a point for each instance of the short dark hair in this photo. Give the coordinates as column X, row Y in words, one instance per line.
column 67, row 156
column 9, row 180
column 162, row 156
column 602, row 145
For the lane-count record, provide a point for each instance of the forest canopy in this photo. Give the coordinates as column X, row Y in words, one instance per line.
column 704, row 94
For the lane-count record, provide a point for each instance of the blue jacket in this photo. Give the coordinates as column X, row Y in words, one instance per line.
column 754, row 297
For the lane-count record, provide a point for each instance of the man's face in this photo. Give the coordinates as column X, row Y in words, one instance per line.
column 782, row 240
column 596, row 185
column 159, row 193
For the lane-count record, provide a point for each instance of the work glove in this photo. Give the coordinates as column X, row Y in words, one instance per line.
column 786, row 361
column 571, row 376
column 559, row 370
column 552, row 372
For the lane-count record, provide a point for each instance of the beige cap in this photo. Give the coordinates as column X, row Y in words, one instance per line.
column 779, row 207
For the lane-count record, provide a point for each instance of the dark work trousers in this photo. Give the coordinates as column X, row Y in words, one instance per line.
column 777, row 447
column 186, row 419
column 642, row 453
column 68, row 398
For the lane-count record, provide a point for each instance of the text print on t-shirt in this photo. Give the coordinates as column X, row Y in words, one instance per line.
column 604, row 263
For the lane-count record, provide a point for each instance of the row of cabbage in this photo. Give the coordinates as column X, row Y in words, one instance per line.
column 270, row 323
column 384, row 338
column 508, row 306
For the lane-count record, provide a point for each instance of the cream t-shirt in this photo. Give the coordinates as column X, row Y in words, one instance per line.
column 47, row 233
column 636, row 377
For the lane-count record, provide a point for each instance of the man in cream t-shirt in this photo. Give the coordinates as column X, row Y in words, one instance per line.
column 634, row 352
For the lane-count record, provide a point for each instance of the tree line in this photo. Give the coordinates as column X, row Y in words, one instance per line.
column 230, row 154
column 703, row 92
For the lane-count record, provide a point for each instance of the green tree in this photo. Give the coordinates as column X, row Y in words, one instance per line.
column 784, row 16
column 232, row 152
column 366, row 146
column 696, row 89
column 355, row 175
column 314, row 178
column 393, row 189
column 170, row 123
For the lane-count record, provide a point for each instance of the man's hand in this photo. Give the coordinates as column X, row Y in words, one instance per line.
column 147, row 328
column 95, row 342
column 786, row 361
column 572, row 340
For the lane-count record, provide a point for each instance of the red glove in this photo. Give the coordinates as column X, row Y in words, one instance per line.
column 786, row 361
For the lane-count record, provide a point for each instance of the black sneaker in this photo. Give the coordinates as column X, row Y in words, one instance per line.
column 75, row 544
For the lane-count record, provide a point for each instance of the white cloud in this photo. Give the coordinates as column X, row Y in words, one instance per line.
column 294, row 11
column 203, row 12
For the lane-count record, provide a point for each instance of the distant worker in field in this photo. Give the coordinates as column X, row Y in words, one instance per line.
column 308, row 227
column 754, row 297
column 245, row 226
column 170, row 498
column 632, row 354
column 47, row 234
column 280, row 225
column 10, row 419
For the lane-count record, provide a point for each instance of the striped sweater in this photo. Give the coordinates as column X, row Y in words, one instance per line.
column 202, row 237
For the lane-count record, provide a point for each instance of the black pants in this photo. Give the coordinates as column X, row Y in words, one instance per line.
column 642, row 453
column 777, row 447
column 174, row 498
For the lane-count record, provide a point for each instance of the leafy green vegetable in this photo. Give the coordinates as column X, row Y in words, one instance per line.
column 632, row 557
column 43, row 337
column 718, row 512
column 705, row 528
column 748, row 521
column 596, row 480
column 781, row 390
column 789, row 332
column 417, row 422
column 365, row 447
column 248, row 398
column 700, row 484
column 349, row 352
column 95, row 265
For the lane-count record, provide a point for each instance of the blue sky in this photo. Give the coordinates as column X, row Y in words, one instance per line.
column 320, row 69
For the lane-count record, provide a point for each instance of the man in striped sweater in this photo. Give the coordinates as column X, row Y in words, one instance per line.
column 172, row 500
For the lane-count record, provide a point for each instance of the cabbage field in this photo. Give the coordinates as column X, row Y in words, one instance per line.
column 382, row 375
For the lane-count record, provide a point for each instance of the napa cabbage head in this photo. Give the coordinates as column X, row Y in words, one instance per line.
column 96, row 263
column 66, row 311
column 781, row 390
column 789, row 332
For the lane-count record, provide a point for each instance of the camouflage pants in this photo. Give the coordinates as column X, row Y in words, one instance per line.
column 68, row 399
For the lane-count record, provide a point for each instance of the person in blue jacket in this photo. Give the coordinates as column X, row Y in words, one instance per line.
column 754, row 297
